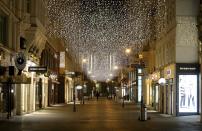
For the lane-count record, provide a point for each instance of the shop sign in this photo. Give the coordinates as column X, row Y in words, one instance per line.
column 70, row 73
column 187, row 68
column 39, row 69
column 168, row 72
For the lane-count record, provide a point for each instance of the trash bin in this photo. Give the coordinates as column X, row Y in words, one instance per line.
column 143, row 113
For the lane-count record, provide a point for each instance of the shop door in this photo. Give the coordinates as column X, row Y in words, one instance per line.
column 162, row 104
column 50, row 92
column 171, row 100
column 167, row 100
column 7, row 98
column 155, row 97
column 38, row 93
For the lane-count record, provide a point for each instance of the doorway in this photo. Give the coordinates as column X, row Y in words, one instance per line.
column 38, row 94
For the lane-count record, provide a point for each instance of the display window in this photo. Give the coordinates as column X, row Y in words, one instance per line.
column 188, row 93
column 187, row 89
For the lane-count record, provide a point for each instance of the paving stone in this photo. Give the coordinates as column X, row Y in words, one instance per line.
column 101, row 115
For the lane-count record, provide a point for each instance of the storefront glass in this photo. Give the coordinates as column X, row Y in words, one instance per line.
column 188, row 93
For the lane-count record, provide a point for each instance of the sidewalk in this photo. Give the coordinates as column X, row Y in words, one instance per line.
column 101, row 115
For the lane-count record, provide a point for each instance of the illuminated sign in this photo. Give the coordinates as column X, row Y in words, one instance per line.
column 188, row 93
column 168, row 72
column 188, row 68
column 70, row 73
column 37, row 69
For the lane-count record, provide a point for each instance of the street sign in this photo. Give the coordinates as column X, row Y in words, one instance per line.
column 39, row 69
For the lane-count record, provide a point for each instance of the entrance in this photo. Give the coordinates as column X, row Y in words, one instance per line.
column 155, row 96
column 6, row 99
column 167, row 99
column 171, row 97
column 38, row 94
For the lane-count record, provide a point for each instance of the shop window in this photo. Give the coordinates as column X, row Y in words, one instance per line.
column 3, row 31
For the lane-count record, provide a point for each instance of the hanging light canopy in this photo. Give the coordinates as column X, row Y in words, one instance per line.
column 105, row 28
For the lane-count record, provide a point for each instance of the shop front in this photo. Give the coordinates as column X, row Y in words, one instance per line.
column 53, row 91
column 155, row 91
column 7, row 90
column 187, row 77
column 169, row 75
column 148, row 93
column 31, row 97
column 68, row 89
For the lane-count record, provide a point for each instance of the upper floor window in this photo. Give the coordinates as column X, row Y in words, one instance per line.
column 28, row 5
column 3, row 31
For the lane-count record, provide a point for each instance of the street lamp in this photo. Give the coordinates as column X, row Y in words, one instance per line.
column 116, row 67
column 162, row 81
column 74, row 96
column 128, row 50
column 143, row 110
column 123, row 89
column 83, row 62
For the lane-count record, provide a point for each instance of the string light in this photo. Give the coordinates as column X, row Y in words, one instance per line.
column 104, row 28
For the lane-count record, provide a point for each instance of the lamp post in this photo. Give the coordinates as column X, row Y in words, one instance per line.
column 127, row 52
column 74, row 96
column 162, row 83
column 143, row 110
column 83, row 62
column 123, row 105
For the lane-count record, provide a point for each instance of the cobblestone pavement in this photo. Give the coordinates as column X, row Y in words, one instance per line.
column 101, row 115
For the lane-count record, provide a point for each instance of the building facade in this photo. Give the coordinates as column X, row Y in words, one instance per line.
column 23, row 29
column 176, row 60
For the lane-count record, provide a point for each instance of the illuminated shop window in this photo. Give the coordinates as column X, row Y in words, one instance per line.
column 188, row 93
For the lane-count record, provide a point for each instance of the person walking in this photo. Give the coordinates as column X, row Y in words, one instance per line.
column 115, row 96
column 97, row 95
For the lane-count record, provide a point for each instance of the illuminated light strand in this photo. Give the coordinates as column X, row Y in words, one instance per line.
column 100, row 27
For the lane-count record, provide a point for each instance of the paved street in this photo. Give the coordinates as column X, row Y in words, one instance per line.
column 101, row 115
